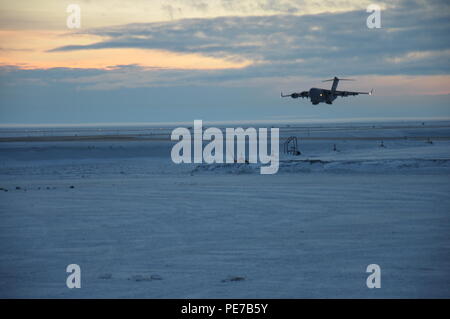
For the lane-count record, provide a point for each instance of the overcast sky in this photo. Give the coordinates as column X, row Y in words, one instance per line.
column 167, row 61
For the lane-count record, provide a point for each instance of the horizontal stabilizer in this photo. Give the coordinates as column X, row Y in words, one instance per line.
column 329, row 80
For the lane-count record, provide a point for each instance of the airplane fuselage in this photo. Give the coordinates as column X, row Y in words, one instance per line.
column 321, row 96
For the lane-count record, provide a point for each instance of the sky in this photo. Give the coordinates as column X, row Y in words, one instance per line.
column 180, row 60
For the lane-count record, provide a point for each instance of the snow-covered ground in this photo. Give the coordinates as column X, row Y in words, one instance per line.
column 140, row 226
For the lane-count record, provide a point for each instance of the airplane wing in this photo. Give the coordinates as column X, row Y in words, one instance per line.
column 297, row 95
column 349, row 93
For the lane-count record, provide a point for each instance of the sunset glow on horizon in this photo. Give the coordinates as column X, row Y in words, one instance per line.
column 32, row 50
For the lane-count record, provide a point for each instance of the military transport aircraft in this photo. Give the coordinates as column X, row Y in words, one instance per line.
column 323, row 95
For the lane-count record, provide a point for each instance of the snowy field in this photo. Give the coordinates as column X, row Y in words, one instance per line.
column 111, row 201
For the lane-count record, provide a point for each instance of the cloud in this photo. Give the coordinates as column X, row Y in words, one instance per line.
column 413, row 40
column 51, row 14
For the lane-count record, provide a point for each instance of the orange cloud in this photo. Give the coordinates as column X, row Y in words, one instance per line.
column 29, row 50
